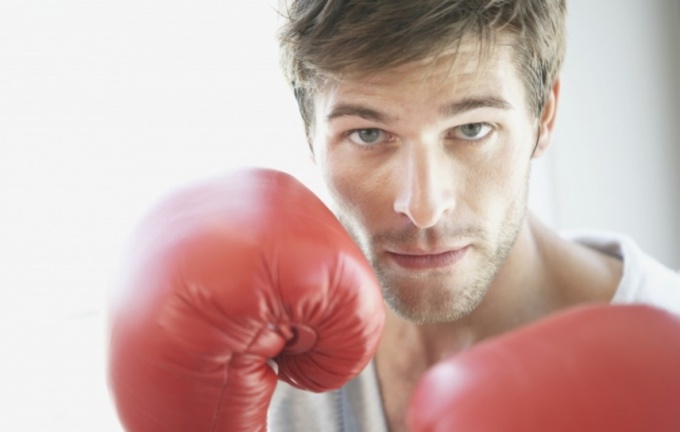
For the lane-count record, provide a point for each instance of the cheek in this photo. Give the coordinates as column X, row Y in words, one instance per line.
column 344, row 185
column 500, row 181
column 361, row 192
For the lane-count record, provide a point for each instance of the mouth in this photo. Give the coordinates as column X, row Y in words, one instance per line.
column 427, row 260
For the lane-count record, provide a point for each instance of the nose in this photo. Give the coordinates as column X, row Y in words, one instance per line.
column 426, row 186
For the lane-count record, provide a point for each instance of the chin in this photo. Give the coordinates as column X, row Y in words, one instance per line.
column 428, row 303
column 431, row 314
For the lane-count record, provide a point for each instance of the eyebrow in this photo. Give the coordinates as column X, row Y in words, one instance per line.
column 469, row 104
column 358, row 111
column 447, row 110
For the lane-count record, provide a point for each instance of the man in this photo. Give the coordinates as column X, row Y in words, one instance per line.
column 424, row 118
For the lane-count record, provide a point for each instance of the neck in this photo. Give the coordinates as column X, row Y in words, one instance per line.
column 542, row 274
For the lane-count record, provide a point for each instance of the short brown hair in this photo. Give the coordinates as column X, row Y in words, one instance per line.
column 325, row 39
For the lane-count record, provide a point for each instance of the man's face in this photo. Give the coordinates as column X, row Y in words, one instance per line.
column 428, row 164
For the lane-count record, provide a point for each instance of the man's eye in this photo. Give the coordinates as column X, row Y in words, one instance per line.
column 473, row 131
column 367, row 136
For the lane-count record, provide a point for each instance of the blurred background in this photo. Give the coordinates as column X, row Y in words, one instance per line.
column 106, row 106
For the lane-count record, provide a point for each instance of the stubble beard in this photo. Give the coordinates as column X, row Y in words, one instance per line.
column 413, row 301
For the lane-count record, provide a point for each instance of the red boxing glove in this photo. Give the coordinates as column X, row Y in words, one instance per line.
column 224, row 277
column 590, row 369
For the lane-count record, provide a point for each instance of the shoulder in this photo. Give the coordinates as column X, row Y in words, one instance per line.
column 645, row 280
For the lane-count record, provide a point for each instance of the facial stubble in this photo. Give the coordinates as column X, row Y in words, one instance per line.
column 414, row 301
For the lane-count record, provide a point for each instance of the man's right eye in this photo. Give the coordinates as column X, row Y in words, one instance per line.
column 366, row 137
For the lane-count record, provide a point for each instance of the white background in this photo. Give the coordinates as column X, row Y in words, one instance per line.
column 105, row 106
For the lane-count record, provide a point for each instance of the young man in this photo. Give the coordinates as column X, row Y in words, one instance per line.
column 424, row 118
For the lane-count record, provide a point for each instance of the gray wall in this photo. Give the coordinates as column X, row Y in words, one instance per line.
column 614, row 164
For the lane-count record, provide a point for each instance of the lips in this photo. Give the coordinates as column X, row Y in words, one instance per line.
column 425, row 260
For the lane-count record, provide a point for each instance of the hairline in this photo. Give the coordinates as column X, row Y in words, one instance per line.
column 485, row 49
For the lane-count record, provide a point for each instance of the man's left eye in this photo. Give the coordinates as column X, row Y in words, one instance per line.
column 472, row 131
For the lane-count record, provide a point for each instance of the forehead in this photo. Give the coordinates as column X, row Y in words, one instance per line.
column 467, row 71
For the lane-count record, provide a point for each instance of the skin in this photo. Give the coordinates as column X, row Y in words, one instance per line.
column 428, row 164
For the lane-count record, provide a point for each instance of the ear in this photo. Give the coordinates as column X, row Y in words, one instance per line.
column 547, row 120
